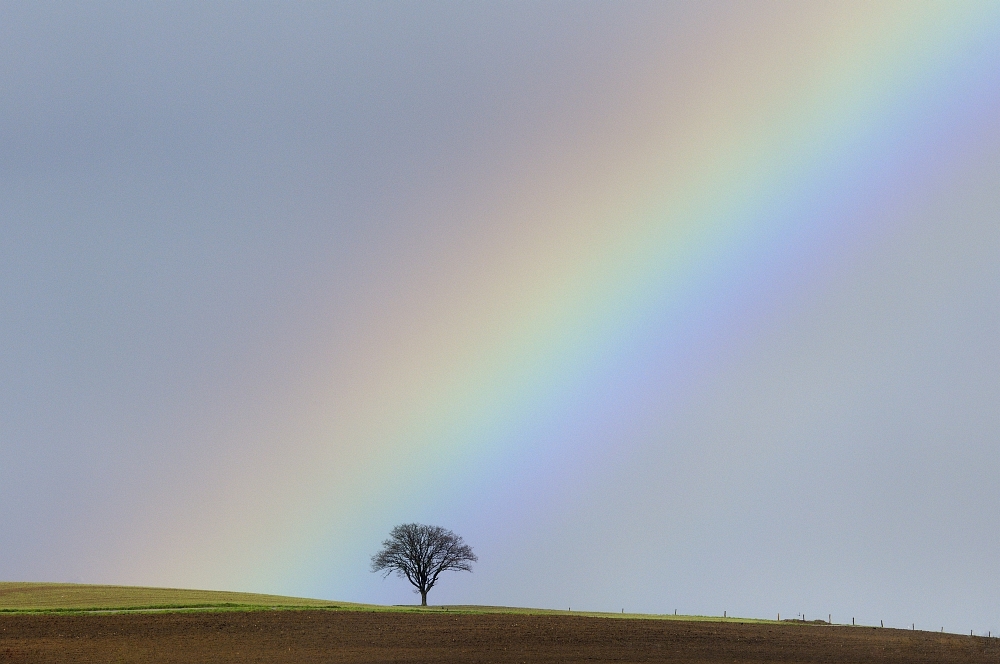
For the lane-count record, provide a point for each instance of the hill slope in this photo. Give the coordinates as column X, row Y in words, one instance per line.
column 18, row 596
column 438, row 637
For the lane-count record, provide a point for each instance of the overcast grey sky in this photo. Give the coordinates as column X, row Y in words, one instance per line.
column 663, row 306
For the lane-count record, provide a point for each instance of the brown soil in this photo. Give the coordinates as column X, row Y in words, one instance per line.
column 349, row 636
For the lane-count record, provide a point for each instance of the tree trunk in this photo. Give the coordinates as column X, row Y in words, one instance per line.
column 423, row 598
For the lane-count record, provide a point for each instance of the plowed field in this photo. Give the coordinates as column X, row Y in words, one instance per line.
column 350, row 636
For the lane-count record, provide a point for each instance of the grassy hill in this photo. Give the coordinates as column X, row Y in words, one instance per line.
column 59, row 597
column 17, row 596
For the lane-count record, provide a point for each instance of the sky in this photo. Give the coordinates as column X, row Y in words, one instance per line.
column 662, row 306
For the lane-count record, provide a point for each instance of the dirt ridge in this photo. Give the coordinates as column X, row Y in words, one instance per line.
column 314, row 636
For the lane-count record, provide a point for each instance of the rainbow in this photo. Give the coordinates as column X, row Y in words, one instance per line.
column 562, row 315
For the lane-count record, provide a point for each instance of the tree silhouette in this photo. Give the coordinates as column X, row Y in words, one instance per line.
column 420, row 553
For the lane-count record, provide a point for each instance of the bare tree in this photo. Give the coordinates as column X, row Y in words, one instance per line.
column 420, row 553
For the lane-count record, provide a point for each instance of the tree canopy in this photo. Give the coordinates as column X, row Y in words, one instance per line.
column 419, row 553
